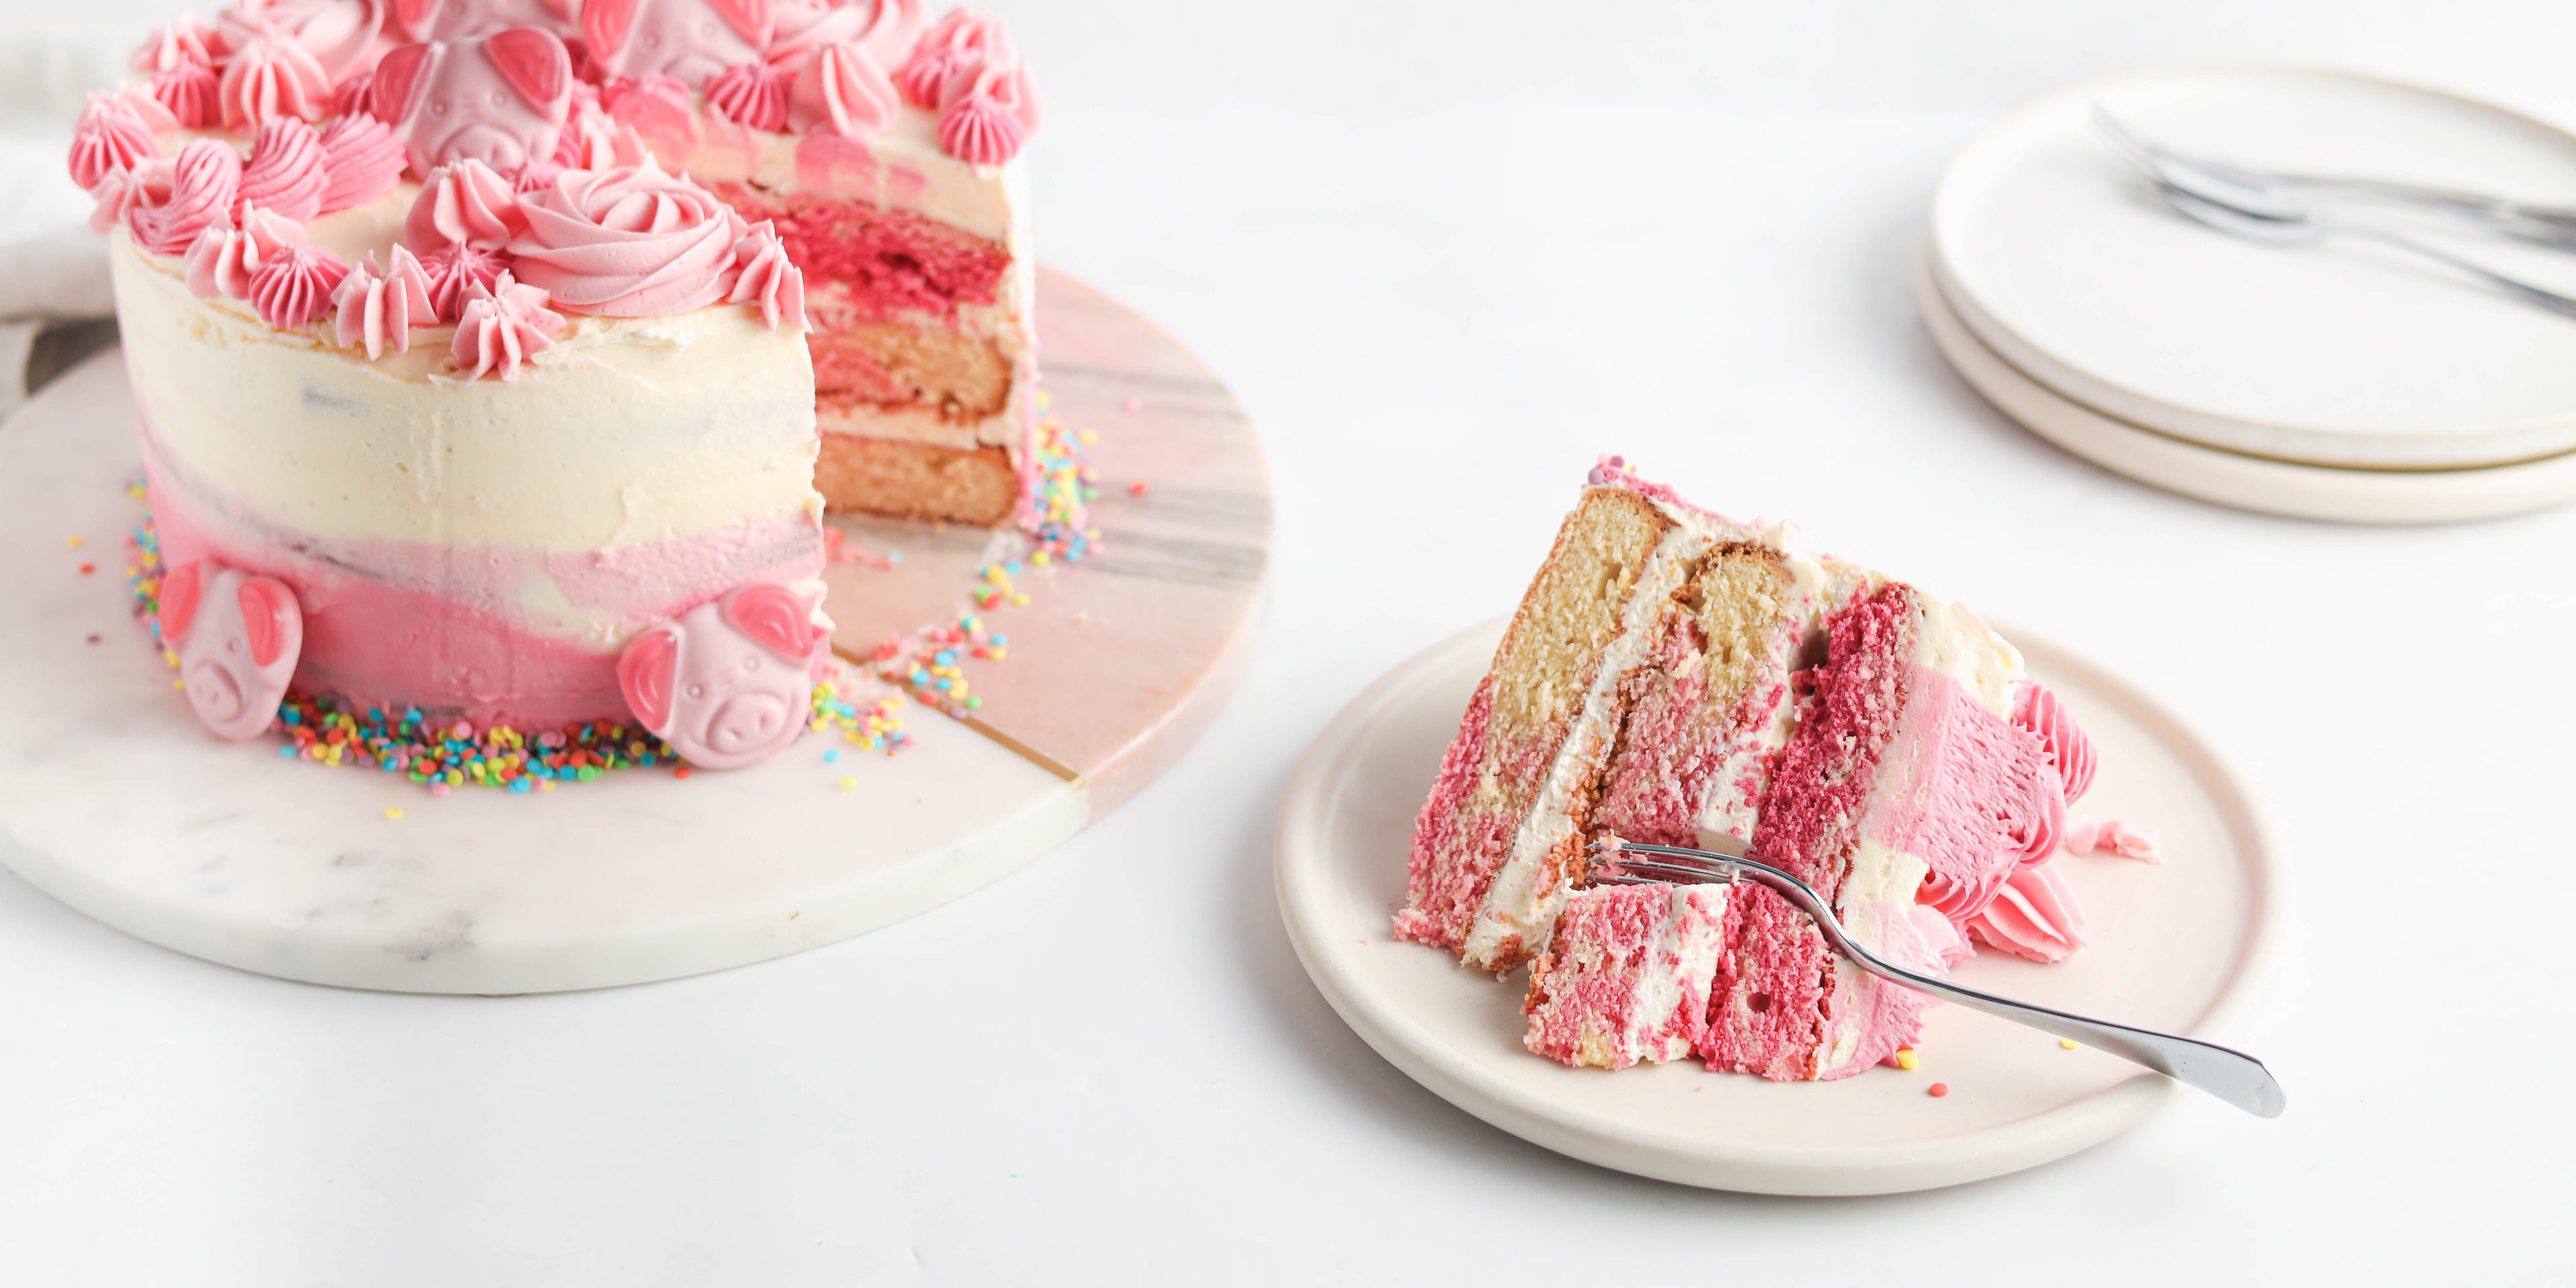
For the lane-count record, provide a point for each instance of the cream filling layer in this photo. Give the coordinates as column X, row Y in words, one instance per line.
column 631, row 430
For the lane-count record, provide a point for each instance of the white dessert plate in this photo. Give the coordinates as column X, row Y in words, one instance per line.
column 2061, row 260
column 2232, row 478
column 2178, row 946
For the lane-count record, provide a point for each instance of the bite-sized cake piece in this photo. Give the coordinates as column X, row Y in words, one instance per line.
column 1675, row 677
column 884, row 148
column 1626, row 976
column 483, row 419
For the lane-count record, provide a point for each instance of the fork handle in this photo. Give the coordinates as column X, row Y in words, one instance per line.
column 2547, row 299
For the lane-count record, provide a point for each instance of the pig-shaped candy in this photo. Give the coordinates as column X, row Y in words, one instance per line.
column 465, row 19
column 237, row 636
column 686, row 40
column 729, row 683
column 499, row 99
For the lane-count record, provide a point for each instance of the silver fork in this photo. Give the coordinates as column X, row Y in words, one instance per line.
column 2232, row 1076
column 2288, row 196
column 2294, row 230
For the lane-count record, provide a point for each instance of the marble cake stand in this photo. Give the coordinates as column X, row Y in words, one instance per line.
column 114, row 801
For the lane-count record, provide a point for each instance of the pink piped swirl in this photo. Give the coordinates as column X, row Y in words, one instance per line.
column 355, row 96
column 989, row 114
column 376, row 311
column 110, row 136
column 503, row 326
column 361, row 161
column 628, row 242
column 843, row 91
column 2039, row 711
column 180, row 42
column 294, row 286
column 202, row 183
column 268, row 75
column 342, row 35
column 285, row 175
column 2035, row 916
column 224, row 258
column 120, row 191
column 888, row 29
column 753, row 95
column 963, row 41
column 455, row 272
column 467, row 202
column 768, row 278
column 190, row 92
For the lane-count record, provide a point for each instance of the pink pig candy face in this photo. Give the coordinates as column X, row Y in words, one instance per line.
column 728, row 684
column 237, row 637
column 464, row 19
column 686, row 40
column 499, row 99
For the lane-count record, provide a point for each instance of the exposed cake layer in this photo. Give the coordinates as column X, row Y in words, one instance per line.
column 925, row 481
column 1626, row 977
column 919, row 287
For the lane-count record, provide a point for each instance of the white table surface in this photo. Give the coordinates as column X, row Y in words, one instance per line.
column 1445, row 257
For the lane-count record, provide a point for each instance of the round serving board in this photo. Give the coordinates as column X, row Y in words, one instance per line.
column 2059, row 258
column 113, row 800
column 2176, row 946
column 2233, row 478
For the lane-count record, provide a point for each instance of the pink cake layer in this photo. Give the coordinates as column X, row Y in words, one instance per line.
column 1455, row 854
column 396, row 624
column 1630, row 934
column 1671, row 747
column 892, row 263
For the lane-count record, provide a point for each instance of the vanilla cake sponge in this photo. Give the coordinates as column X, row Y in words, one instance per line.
column 1675, row 677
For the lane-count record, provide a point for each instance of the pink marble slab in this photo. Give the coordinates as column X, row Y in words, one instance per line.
column 1120, row 661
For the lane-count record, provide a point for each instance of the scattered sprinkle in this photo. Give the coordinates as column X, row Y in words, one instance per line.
column 681, row 772
column 75, row 541
column 393, row 811
column 2068, row 1043
column 848, row 782
column 1906, row 1059
column 1136, row 488
column 88, row 568
column 1133, row 404
column 95, row 637
column 1939, row 1089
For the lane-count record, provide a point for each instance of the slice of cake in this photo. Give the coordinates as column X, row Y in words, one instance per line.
column 885, row 149
column 436, row 426
column 1627, row 974
column 1676, row 677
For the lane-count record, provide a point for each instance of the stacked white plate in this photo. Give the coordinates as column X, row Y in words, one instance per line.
column 2332, row 381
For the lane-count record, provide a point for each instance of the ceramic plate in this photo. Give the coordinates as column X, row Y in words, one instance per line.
column 2177, row 946
column 2060, row 259
column 2232, row 478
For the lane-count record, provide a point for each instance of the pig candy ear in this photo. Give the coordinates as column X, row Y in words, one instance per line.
column 270, row 618
column 180, row 589
column 646, row 673
column 605, row 25
column 748, row 18
column 773, row 617
column 533, row 61
column 401, row 76
column 416, row 17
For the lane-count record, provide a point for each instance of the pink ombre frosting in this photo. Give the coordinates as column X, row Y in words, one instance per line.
column 503, row 325
column 223, row 259
column 2036, row 916
column 629, row 242
column 110, row 136
column 294, row 285
column 2039, row 711
column 202, row 183
column 769, row 278
column 285, row 175
column 377, row 310
column 361, row 161
column 843, row 91
column 468, row 204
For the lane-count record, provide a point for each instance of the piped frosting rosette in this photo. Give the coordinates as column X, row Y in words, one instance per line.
column 628, row 242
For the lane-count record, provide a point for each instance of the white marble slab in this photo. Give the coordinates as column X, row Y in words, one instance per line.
column 113, row 800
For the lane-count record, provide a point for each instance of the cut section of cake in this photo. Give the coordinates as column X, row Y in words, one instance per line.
column 1676, row 677
column 884, row 148
column 1627, row 975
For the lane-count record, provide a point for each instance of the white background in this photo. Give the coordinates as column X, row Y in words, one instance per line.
column 1446, row 254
